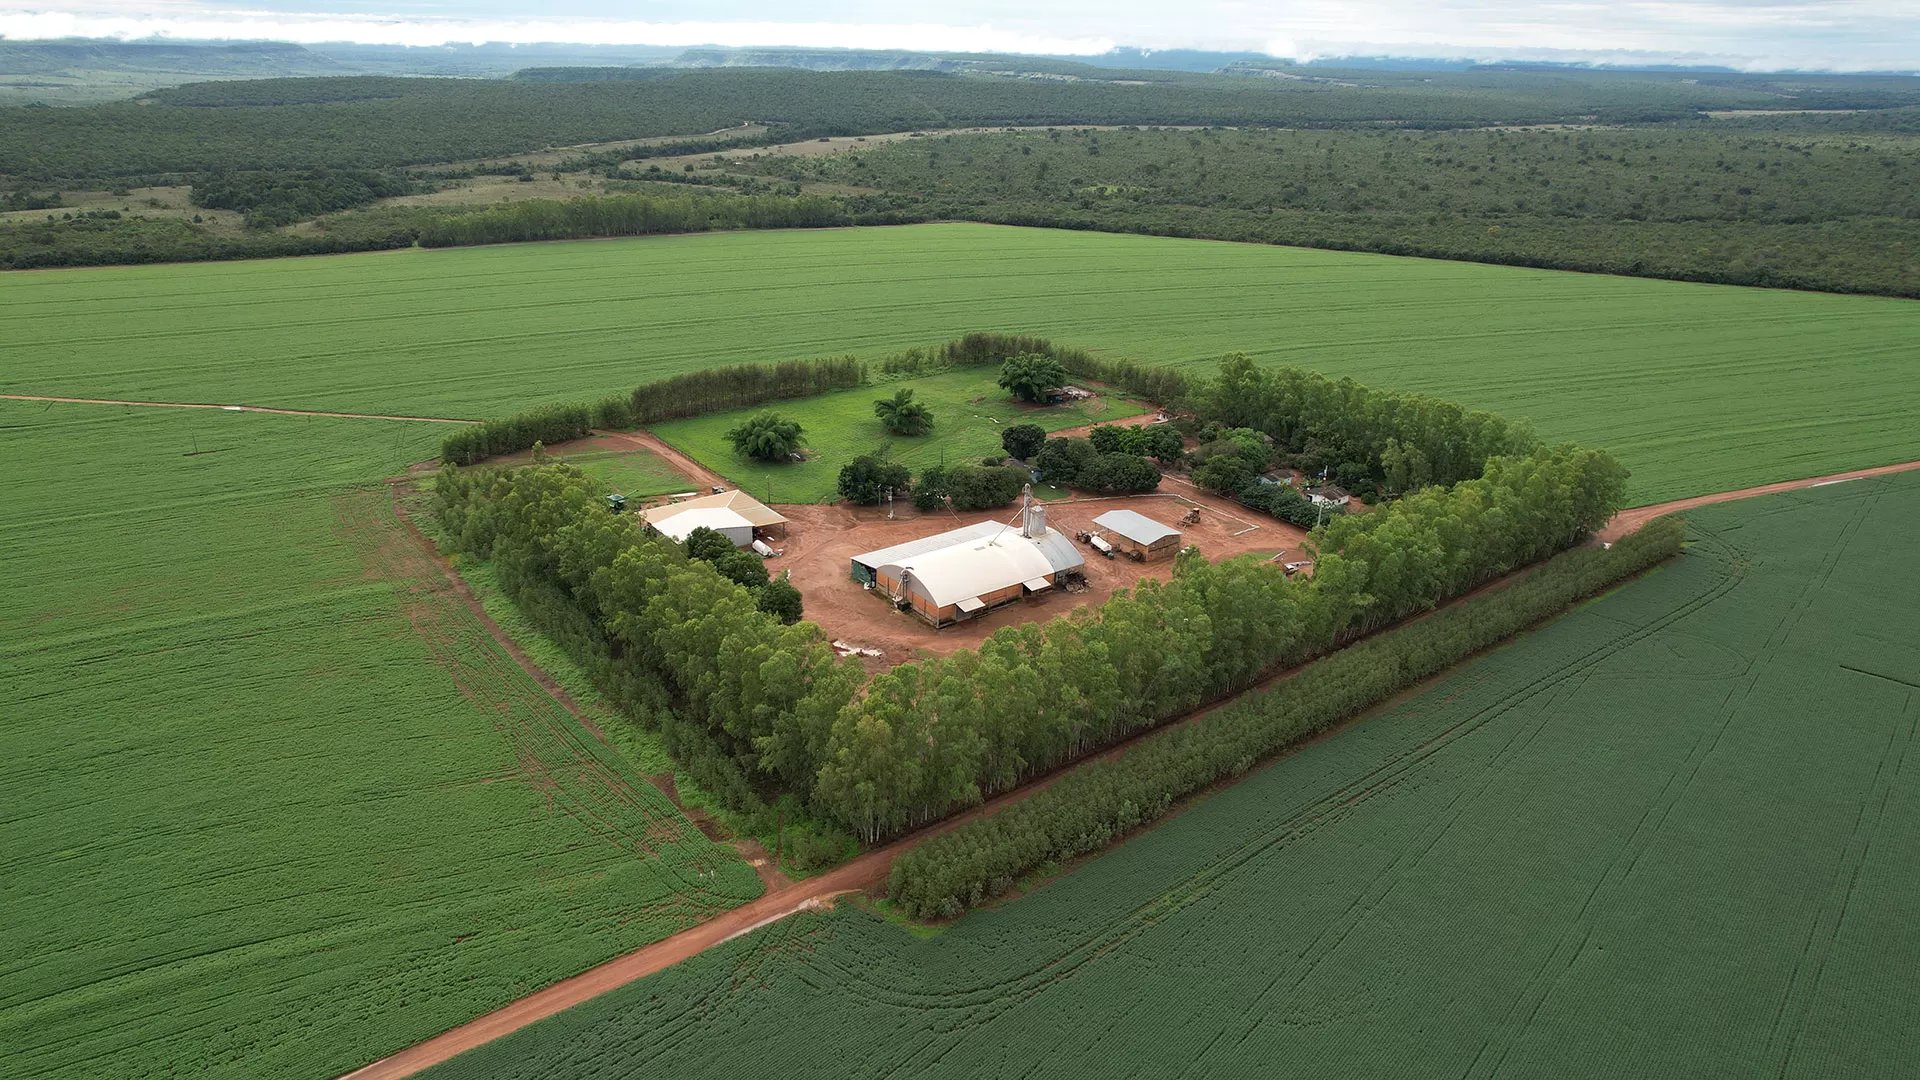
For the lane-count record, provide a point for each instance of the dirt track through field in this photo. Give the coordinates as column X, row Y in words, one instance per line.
column 1627, row 521
column 230, row 408
column 870, row 870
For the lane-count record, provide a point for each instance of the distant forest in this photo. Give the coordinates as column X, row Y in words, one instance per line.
column 1695, row 176
column 1700, row 202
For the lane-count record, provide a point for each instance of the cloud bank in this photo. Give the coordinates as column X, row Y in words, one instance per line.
column 1837, row 35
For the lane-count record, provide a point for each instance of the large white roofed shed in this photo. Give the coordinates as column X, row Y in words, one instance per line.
column 718, row 518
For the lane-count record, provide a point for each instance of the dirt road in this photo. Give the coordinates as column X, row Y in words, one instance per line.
column 231, row 408
column 693, row 470
column 870, row 870
column 1627, row 521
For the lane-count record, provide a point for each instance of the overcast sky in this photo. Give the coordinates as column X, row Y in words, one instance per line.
column 1754, row 34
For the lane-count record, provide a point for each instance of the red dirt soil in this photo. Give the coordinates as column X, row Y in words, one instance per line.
column 646, row 440
column 821, row 541
column 1627, row 521
column 869, row 871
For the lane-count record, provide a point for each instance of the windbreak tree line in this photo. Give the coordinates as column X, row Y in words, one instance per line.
column 934, row 735
column 630, row 215
column 546, row 424
column 734, row 691
column 737, row 386
column 1104, row 800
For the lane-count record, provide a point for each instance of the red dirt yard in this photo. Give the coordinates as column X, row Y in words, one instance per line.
column 822, row 540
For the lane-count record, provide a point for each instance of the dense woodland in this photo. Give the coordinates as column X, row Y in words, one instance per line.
column 1613, row 172
column 1709, row 201
column 374, row 122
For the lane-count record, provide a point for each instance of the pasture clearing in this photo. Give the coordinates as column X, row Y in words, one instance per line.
column 1697, row 388
column 970, row 410
column 617, row 460
column 272, row 800
column 1684, row 800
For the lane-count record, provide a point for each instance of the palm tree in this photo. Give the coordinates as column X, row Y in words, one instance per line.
column 903, row 415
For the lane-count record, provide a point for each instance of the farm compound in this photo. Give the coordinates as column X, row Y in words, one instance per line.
column 962, row 573
column 736, row 515
column 1137, row 536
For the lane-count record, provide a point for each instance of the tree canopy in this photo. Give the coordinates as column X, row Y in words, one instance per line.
column 867, row 479
column 767, row 436
column 1022, row 441
column 1031, row 376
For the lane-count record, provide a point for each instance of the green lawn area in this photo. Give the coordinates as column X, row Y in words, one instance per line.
column 632, row 471
column 1667, row 835
column 970, row 411
column 272, row 801
column 1697, row 388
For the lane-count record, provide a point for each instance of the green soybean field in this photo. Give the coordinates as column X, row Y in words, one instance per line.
column 273, row 802
column 1697, row 388
column 1666, row 835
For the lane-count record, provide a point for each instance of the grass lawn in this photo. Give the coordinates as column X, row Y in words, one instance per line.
column 633, row 471
column 1697, row 388
column 273, row 803
column 1666, row 835
column 970, row 410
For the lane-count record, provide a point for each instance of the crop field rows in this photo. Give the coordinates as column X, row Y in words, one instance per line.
column 1697, row 388
column 970, row 411
column 1659, row 837
column 272, row 801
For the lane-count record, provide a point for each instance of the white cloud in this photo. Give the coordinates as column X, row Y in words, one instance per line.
column 1827, row 34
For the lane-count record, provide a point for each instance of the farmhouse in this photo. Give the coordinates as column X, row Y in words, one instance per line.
column 1329, row 496
column 1137, row 536
column 738, row 516
column 966, row 572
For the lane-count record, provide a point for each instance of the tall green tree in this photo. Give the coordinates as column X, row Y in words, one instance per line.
column 767, row 436
column 1032, row 376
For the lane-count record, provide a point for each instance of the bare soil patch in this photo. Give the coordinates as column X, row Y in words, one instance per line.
column 822, row 540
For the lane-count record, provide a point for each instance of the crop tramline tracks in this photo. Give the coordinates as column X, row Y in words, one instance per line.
column 984, row 1001
column 574, row 781
column 1574, row 937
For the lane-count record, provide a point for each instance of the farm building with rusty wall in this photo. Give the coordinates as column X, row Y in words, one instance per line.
column 736, row 515
column 1137, row 536
column 966, row 572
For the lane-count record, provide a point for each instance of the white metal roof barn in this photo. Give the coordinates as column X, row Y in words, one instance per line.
column 963, row 572
column 734, row 513
column 718, row 518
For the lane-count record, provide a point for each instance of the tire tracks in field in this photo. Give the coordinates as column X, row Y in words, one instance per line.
column 575, row 782
column 229, row 408
column 982, row 1002
column 1572, row 942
